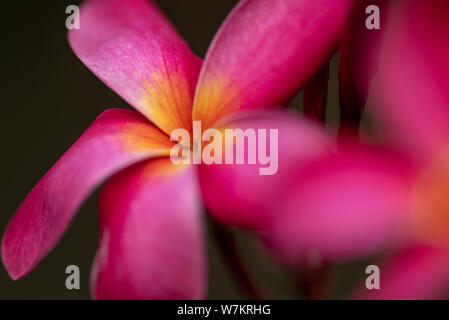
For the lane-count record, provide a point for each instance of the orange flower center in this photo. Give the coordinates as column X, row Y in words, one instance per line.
column 430, row 214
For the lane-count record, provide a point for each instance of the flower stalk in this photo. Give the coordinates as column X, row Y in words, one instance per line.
column 227, row 242
column 315, row 95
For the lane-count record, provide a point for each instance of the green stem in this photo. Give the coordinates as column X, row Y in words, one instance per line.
column 228, row 245
column 313, row 282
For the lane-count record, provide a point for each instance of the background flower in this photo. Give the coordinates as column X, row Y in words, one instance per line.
column 393, row 197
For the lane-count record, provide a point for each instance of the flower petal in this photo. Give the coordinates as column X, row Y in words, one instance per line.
column 417, row 272
column 345, row 205
column 151, row 242
column 133, row 48
column 412, row 85
column 264, row 52
column 237, row 194
column 116, row 139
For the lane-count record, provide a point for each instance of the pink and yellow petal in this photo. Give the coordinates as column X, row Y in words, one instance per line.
column 151, row 241
column 115, row 140
column 264, row 52
column 133, row 48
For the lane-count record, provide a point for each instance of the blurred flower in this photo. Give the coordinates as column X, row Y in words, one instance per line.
column 411, row 98
column 362, row 199
column 151, row 238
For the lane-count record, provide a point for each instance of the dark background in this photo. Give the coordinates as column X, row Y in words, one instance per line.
column 48, row 98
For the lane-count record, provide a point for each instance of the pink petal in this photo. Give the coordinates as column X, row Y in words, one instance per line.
column 418, row 272
column 133, row 48
column 342, row 206
column 413, row 81
column 116, row 139
column 237, row 194
column 151, row 242
column 264, row 51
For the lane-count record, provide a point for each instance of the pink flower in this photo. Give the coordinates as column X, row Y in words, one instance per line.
column 362, row 199
column 151, row 238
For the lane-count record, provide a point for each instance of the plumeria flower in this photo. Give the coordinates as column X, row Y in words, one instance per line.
column 151, row 239
column 362, row 199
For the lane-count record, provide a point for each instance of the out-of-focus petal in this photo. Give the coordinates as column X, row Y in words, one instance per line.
column 151, row 242
column 115, row 140
column 264, row 51
column 237, row 194
column 133, row 48
column 418, row 272
column 412, row 87
column 345, row 205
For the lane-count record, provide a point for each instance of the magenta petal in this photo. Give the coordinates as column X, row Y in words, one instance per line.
column 418, row 272
column 343, row 206
column 237, row 194
column 116, row 139
column 133, row 48
column 413, row 79
column 151, row 242
column 264, row 51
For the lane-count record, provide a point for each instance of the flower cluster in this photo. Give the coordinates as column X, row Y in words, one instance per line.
column 332, row 197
